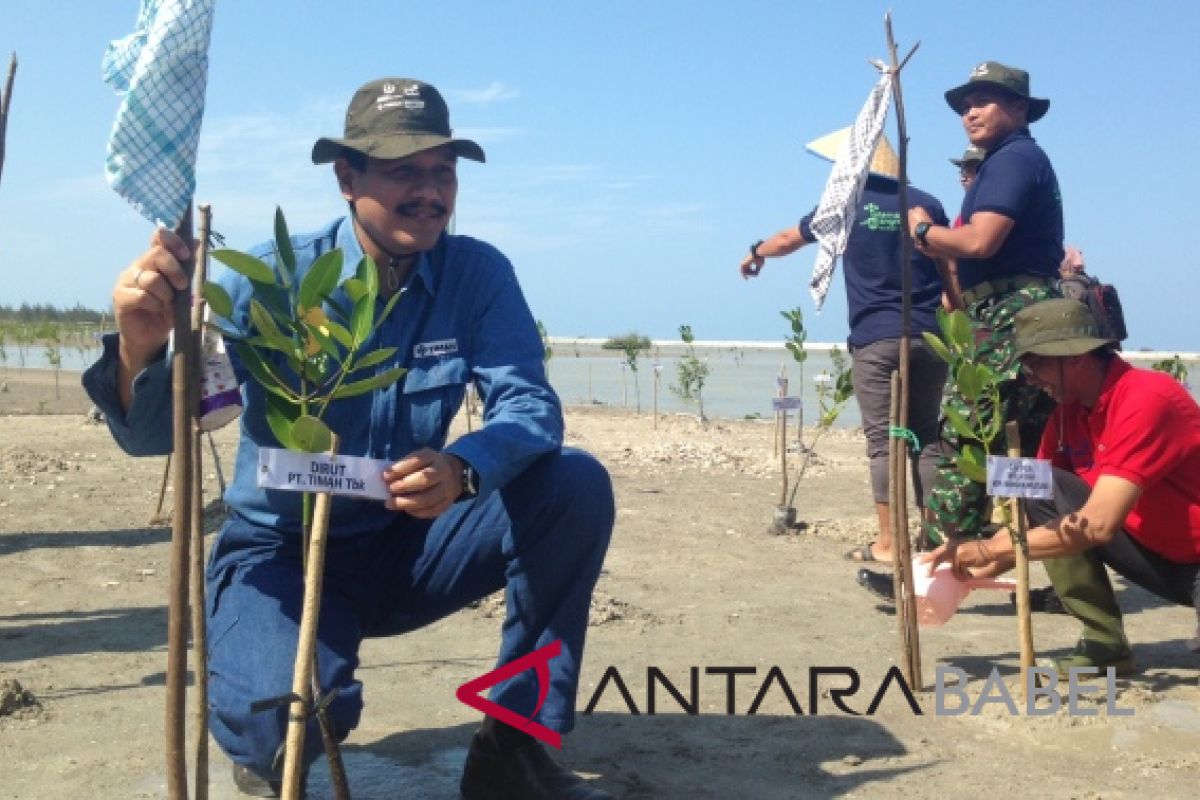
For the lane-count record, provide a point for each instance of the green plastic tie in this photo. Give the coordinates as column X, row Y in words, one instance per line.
column 897, row 432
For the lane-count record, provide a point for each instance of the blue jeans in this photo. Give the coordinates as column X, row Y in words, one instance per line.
column 542, row 537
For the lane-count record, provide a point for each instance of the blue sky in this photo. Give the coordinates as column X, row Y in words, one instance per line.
column 635, row 149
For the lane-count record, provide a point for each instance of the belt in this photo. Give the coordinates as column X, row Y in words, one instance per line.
column 986, row 289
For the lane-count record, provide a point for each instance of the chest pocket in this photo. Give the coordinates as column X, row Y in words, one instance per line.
column 430, row 397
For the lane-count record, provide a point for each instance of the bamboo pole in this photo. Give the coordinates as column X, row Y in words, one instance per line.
column 902, row 579
column 196, row 560
column 182, row 359
column 1021, row 549
column 302, row 680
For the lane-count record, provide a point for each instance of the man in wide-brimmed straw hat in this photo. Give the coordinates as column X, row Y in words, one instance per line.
column 875, row 300
column 1125, row 446
column 1006, row 253
column 502, row 507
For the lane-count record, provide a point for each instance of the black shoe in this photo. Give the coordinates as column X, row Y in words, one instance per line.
column 522, row 772
column 1045, row 600
column 878, row 584
column 251, row 784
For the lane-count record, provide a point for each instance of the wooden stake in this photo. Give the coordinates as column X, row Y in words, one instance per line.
column 783, row 418
column 302, row 680
column 196, row 560
column 156, row 517
column 182, row 359
column 910, row 635
column 5, row 99
column 1012, row 435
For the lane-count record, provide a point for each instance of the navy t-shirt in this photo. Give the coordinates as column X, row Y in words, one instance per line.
column 1016, row 180
column 872, row 260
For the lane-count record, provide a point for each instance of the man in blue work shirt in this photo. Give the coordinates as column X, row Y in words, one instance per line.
column 502, row 507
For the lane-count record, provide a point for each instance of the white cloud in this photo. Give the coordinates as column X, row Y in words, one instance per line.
column 494, row 92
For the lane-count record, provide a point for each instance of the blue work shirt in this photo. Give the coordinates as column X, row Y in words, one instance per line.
column 462, row 317
column 1016, row 180
column 871, row 262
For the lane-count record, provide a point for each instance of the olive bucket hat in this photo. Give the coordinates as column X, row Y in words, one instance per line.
column 393, row 118
column 972, row 155
column 1058, row 327
column 994, row 75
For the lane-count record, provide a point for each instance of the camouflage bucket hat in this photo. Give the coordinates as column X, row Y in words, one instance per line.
column 994, row 75
column 393, row 118
column 1058, row 327
column 972, row 155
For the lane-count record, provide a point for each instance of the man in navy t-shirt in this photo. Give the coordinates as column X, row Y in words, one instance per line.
column 1008, row 250
column 875, row 300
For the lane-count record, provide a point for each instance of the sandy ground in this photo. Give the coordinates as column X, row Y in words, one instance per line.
column 692, row 580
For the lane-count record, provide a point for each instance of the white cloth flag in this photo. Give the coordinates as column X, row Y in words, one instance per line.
column 162, row 70
column 834, row 217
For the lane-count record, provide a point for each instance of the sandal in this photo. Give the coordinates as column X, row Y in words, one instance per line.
column 862, row 553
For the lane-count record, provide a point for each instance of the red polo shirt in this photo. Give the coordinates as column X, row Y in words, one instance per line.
column 1145, row 428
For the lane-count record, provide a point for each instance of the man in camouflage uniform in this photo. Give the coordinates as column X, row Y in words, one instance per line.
column 1008, row 250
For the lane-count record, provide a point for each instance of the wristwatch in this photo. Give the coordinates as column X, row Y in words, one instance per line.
column 754, row 249
column 920, row 232
column 470, row 482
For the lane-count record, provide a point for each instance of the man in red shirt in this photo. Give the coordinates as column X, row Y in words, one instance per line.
column 1125, row 444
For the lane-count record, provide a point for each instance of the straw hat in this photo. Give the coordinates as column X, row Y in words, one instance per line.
column 884, row 162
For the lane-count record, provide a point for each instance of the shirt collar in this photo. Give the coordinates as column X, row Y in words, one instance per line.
column 1116, row 368
column 353, row 253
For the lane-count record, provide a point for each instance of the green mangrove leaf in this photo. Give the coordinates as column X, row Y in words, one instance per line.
column 264, row 323
column 968, row 382
column 321, row 279
column 368, row 274
column 283, row 244
column 959, row 423
column 369, row 384
column 257, row 367
column 938, row 346
column 355, row 289
column 281, row 414
column 311, row 435
column 218, row 300
column 972, row 462
column 374, row 357
column 961, row 337
column 363, row 319
column 253, row 268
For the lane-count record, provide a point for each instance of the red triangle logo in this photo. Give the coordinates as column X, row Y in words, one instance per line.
column 539, row 661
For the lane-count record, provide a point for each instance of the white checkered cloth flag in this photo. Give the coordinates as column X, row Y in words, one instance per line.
column 834, row 217
column 161, row 69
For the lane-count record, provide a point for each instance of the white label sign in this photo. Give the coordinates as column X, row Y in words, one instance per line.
column 319, row 472
column 1020, row 477
column 785, row 403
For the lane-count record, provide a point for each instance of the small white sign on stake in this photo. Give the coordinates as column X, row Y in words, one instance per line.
column 1020, row 477
column 785, row 403
column 353, row 476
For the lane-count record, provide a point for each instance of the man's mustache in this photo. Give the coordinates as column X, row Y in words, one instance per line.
column 413, row 207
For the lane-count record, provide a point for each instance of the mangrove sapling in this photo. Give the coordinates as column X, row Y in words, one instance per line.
column 795, row 345
column 547, row 350
column 53, row 349
column 690, row 373
column 303, row 345
column 834, row 390
column 979, row 385
column 1173, row 367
